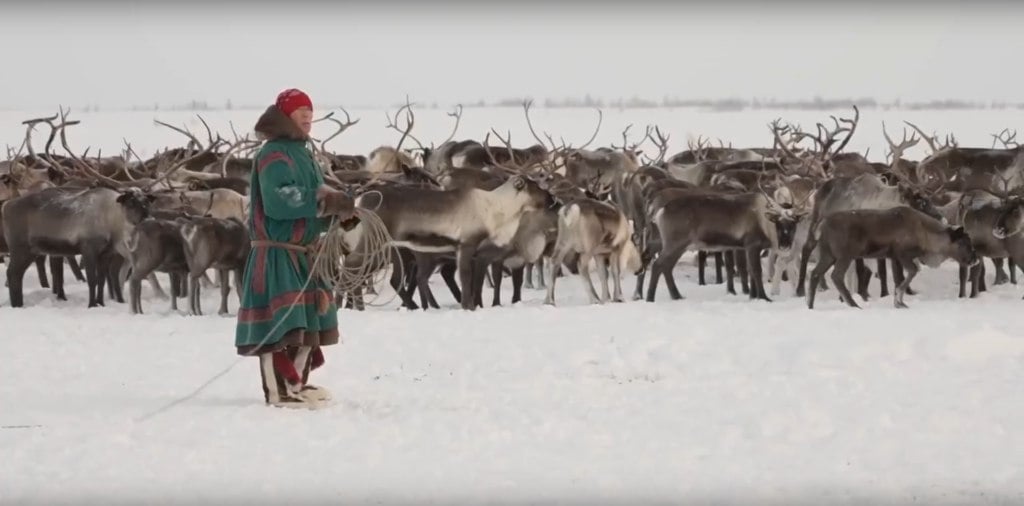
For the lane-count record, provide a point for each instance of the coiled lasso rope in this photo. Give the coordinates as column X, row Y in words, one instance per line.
column 373, row 254
column 328, row 265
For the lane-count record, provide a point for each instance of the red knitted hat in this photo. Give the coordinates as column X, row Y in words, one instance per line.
column 291, row 99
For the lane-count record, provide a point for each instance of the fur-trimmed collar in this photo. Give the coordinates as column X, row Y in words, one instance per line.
column 274, row 125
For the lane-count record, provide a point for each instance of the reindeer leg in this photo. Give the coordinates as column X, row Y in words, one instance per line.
column 1013, row 270
column 496, row 274
column 464, row 260
column 842, row 266
column 488, row 279
column 154, row 283
column 480, row 274
column 556, row 269
column 91, row 260
column 976, row 273
column 57, row 269
column 825, row 262
column 756, row 274
column 175, row 291
column 773, row 260
column 911, row 266
column 702, row 260
column 448, row 271
column 75, row 268
column 1001, row 277
column 602, row 274
column 663, row 267
column 194, row 281
column 588, row 285
column 400, row 286
column 135, row 285
column 805, row 257
column 962, row 275
column 777, row 268
column 529, row 275
column 540, row 273
column 982, row 271
column 17, row 263
column 40, row 262
column 115, row 276
column 517, row 285
column 616, row 259
column 223, row 278
column 730, row 272
column 744, row 271
column 863, row 279
column 719, row 262
column 424, row 266
column 638, row 289
column 883, row 277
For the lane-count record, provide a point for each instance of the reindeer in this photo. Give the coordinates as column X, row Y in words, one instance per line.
column 598, row 232
column 156, row 244
column 866, row 191
column 951, row 167
column 899, row 232
column 702, row 150
column 444, row 221
column 214, row 243
column 453, row 220
column 534, row 238
column 796, row 199
column 714, row 221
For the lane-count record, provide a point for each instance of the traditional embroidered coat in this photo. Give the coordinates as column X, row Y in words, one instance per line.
column 283, row 208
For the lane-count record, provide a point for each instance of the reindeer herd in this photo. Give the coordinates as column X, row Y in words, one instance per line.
column 475, row 211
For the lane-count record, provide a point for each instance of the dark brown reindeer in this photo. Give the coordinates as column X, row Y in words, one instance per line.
column 714, row 221
column 156, row 245
column 899, row 232
column 865, row 191
column 213, row 243
column 952, row 167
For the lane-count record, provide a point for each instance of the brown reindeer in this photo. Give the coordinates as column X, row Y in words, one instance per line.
column 898, row 232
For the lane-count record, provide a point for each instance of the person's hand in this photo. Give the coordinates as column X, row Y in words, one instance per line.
column 333, row 202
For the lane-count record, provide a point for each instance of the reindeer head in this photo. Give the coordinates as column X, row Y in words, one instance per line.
column 136, row 203
column 785, row 212
column 786, row 219
column 528, row 193
column 196, row 184
column 916, row 198
column 1011, row 219
column 963, row 250
column 8, row 187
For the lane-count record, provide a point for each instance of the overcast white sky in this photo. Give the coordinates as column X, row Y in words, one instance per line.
column 120, row 54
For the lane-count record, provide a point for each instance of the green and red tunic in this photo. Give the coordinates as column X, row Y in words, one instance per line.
column 283, row 209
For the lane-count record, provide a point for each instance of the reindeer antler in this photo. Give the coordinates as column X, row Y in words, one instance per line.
column 1008, row 139
column 896, row 152
column 457, row 114
column 661, row 142
column 342, row 126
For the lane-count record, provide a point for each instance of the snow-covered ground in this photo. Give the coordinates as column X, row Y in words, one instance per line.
column 712, row 399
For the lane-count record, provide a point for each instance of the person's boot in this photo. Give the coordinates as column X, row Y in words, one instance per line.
column 282, row 386
column 308, row 359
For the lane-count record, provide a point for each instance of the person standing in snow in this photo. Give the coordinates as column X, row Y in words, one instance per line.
column 289, row 207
